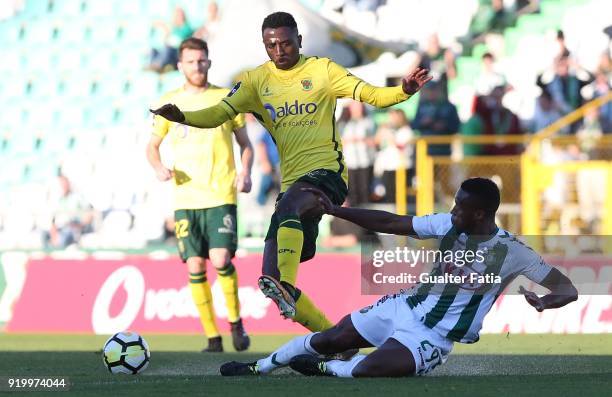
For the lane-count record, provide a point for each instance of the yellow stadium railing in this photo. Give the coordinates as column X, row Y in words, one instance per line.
column 526, row 175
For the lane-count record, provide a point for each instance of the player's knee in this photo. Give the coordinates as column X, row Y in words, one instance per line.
column 288, row 205
column 367, row 369
column 334, row 340
column 220, row 260
column 196, row 265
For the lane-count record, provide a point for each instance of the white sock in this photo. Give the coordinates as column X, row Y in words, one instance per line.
column 284, row 354
column 344, row 369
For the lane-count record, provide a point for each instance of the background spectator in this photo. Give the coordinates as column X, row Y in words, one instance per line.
column 440, row 61
column 70, row 216
column 394, row 140
column 499, row 120
column 358, row 145
column 546, row 112
column 489, row 78
column 166, row 57
column 436, row 116
column 565, row 85
column 208, row 30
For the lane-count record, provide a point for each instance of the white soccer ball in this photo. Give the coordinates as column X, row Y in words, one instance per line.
column 126, row 353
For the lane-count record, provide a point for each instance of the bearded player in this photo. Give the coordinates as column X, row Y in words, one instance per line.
column 205, row 190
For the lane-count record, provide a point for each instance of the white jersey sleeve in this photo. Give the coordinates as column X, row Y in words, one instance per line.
column 432, row 226
column 532, row 265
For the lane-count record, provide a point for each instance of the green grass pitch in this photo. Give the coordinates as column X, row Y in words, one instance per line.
column 517, row 365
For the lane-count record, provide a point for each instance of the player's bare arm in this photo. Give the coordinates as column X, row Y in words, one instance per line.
column 243, row 183
column 154, row 158
column 562, row 292
column 375, row 220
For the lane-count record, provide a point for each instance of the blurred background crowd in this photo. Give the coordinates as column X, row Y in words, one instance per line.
column 77, row 78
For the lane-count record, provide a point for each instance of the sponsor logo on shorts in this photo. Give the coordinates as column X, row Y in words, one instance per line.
column 228, row 223
column 315, row 173
column 286, row 251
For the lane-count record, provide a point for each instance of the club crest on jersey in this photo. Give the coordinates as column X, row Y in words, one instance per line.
column 306, row 84
column 266, row 92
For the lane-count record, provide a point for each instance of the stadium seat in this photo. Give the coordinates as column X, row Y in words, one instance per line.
column 36, row 9
column 43, row 86
column 12, row 32
column 136, row 32
column 104, row 33
column 144, row 85
column 67, row 8
column 101, row 9
column 76, row 86
column 72, row 31
column 42, row 31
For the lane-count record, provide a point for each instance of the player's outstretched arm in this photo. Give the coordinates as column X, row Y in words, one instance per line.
column 562, row 292
column 387, row 96
column 378, row 221
column 210, row 117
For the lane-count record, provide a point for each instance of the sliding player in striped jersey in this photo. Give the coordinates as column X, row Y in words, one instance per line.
column 415, row 331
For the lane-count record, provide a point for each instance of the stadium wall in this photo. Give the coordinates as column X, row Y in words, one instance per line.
column 142, row 293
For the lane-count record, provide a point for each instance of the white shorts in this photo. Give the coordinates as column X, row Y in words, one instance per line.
column 391, row 317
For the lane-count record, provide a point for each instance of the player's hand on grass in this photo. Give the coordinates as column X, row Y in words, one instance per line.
column 244, row 183
column 532, row 299
column 170, row 112
column 164, row 174
column 326, row 205
column 415, row 80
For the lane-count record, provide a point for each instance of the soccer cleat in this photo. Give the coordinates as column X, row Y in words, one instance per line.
column 234, row 368
column 215, row 345
column 342, row 356
column 240, row 339
column 309, row 365
column 274, row 290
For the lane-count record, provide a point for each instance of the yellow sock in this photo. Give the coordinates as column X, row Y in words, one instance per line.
column 202, row 297
column 289, row 239
column 229, row 284
column 307, row 314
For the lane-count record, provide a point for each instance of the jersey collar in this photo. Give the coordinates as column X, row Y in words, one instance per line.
column 295, row 67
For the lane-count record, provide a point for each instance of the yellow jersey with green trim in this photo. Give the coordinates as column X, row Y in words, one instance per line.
column 204, row 168
column 297, row 106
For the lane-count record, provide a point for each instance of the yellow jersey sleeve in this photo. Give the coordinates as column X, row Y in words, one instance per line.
column 345, row 85
column 238, row 122
column 240, row 99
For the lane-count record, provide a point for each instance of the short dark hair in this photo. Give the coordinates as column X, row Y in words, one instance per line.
column 485, row 191
column 488, row 55
column 279, row 20
column 193, row 43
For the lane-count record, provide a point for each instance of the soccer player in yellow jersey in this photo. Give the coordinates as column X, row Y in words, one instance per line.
column 294, row 97
column 205, row 190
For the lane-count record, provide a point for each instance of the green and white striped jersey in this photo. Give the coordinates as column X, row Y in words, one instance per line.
column 456, row 298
